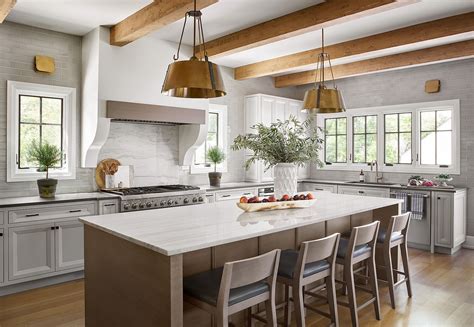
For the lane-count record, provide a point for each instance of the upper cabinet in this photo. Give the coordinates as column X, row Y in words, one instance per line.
column 267, row 109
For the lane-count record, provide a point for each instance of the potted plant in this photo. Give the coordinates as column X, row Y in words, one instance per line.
column 284, row 145
column 216, row 156
column 46, row 156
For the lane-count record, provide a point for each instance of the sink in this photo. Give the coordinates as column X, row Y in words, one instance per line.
column 374, row 183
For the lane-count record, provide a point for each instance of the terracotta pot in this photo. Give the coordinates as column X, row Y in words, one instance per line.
column 47, row 187
column 215, row 179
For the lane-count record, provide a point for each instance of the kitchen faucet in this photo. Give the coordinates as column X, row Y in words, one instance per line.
column 377, row 177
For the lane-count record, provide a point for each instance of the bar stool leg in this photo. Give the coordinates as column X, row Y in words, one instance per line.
column 349, row 277
column 271, row 313
column 222, row 320
column 389, row 273
column 298, row 301
column 405, row 267
column 287, row 316
column 331, row 293
column 375, row 287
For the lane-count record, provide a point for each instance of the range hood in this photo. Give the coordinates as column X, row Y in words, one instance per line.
column 153, row 114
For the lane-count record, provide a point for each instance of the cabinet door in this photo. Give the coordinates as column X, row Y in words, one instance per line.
column 279, row 110
column 30, row 251
column 107, row 207
column 379, row 193
column 2, row 239
column 235, row 194
column 443, row 211
column 266, row 111
column 316, row 187
column 293, row 109
column 351, row 190
column 69, row 245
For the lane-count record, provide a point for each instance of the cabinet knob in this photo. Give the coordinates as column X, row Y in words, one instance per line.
column 1, row 234
column 439, row 198
column 53, row 228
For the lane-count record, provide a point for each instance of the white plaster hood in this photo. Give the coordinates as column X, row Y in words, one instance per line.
column 134, row 74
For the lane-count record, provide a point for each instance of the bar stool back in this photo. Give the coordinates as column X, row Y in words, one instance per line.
column 235, row 287
column 360, row 247
column 398, row 231
column 314, row 261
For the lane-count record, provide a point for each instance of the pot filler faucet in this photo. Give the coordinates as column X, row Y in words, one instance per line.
column 377, row 177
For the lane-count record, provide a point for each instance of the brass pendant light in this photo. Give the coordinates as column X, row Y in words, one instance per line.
column 193, row 78
column 322, row 99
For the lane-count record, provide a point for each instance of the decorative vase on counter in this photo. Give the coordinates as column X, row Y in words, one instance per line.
column 215, row 179
column 286, row 179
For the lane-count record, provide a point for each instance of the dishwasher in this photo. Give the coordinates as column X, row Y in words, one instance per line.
column 420, row 231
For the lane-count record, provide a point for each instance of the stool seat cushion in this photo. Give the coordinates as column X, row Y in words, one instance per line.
column 383, row 234
column 287, row 265
column 344, row 244
column 205, row 286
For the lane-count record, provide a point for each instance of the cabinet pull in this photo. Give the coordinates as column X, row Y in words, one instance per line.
column 57, row 227
column 78, row 210
column 361, row 192
column 248, row 193
column 53, row 228
column 1, row 234
column 319, row 189
column 226, row 195
column 108, row 205
column 32, row 215
column 439, row 198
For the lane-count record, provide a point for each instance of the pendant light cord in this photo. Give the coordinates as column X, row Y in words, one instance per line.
column 320, row 65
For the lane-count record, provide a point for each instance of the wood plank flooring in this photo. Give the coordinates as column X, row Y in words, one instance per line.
column 443, row 288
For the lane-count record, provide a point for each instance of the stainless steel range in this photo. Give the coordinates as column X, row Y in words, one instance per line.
column 155, row 197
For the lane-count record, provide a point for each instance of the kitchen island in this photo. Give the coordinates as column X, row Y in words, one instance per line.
column 135, row 262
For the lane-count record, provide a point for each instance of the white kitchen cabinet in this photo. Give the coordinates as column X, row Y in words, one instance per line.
column 30, row 250
column 318, row 187
column 267, row 109
column 364, row 191
column 107, row 207
column 235, row 194
column 69, row 248
column 2, row 240
column 449, row 217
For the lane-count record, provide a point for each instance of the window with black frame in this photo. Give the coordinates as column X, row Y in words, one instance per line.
column 335, row 145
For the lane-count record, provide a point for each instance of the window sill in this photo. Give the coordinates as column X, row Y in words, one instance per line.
column 395, row 169
column 30, row 177
column 196, row 170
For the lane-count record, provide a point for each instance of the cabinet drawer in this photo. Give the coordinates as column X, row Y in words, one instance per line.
column 316, row 187
column 44, row 212
column 1, row 217
column 235, row 194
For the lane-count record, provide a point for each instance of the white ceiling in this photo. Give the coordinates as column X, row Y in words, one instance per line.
column 227, row 16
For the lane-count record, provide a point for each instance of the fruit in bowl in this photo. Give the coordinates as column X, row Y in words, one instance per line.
column 254, row 203
column 272, row 198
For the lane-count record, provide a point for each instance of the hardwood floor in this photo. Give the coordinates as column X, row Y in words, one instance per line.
column 443, row 288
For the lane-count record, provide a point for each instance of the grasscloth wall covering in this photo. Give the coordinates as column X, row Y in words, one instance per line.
column 407, row 86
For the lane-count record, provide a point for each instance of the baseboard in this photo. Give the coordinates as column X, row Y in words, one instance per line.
column 469, row 243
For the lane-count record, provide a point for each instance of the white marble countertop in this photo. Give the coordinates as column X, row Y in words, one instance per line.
column 177, row 230
column 29, row 200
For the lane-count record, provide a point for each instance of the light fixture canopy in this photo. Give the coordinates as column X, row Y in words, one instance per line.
column 321, row 99
column 197, row 77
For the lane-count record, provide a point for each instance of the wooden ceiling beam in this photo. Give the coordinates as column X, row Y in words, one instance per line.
column 151, row 18
column 444, row 27
column 325, row 14
column 447, row 52
column 5, row 7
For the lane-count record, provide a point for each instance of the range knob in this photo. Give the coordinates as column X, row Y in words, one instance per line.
column 195, row 200
column 201, row 199
column 126, row 206
column 148, row 204
column 170, row 202
column 176, row 202
column 186, row 200
column 134, row 206
column 162, row 203
column 142, row 205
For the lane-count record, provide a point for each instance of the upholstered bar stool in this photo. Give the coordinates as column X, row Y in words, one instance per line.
column 316, row 260
column 398, row 231
column 237, row 286
column 358, row 248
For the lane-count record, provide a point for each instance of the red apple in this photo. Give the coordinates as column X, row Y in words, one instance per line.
column 310, row 196
column 243, row 199
column 272, row 198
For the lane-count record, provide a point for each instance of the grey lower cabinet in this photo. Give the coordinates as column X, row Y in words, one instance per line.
column 449, row 217
column 107, row 207
column 31, row 250
column 69, row 245
column 365, row 191
column 318, row 187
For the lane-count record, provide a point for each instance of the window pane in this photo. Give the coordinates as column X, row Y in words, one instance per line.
column 330, row 148
column 341, row 148
column 213, row 119
column 443, row 148
column 211, row 140
column 443, row 120
column 331, row 126
column 405, row 122
column 371, row 147
column 29, row 109
column 371, row 124
column 51, row 111
column 428, row 148
column 359, row 148
column 391, row 148
column 405, row 148
column 28, row 133
column 359, row 125
column 428, row 121
column 51, row 134
column 341, row 126
column 391, row 123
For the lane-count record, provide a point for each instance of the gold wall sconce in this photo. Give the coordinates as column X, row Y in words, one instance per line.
column 432, row 86
column 45, row 64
